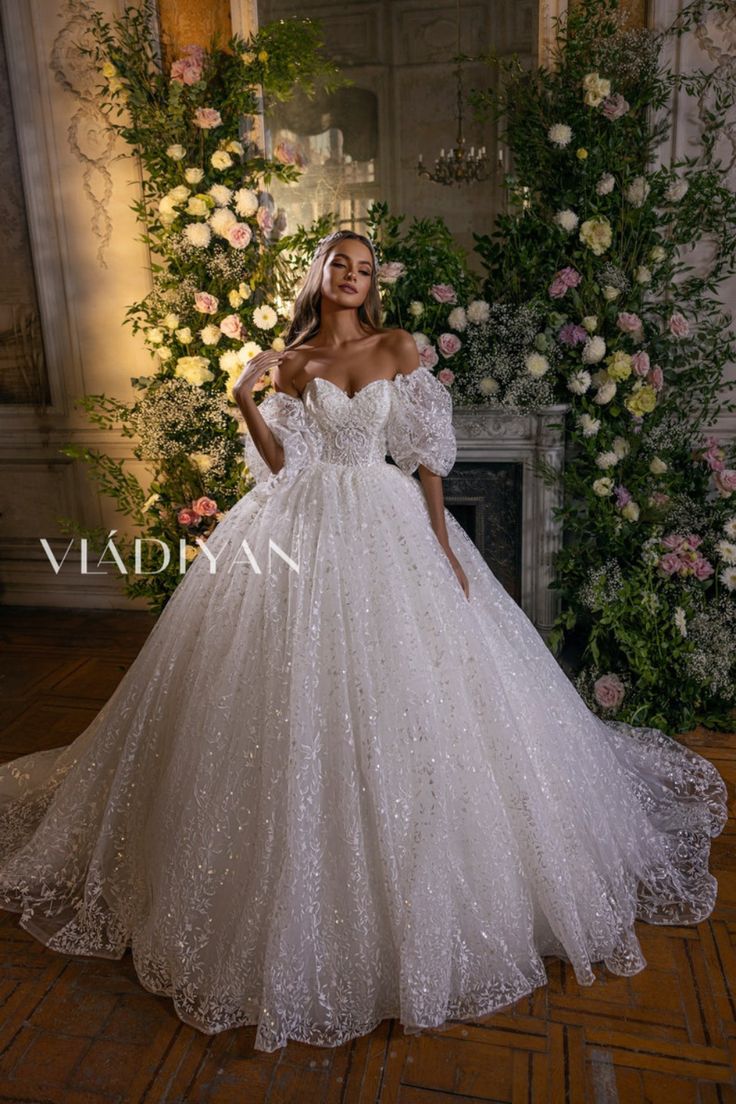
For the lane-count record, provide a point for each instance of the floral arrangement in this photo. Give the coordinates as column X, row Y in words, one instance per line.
column 634, row 338
column 220, row 284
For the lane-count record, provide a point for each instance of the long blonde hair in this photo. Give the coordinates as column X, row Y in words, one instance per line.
column 307, row 306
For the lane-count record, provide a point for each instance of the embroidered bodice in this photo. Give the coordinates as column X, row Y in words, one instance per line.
column 408, row 417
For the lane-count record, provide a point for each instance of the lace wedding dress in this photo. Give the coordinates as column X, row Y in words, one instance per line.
column 332, row 789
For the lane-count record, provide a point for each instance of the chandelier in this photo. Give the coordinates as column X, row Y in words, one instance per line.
column 458, row 166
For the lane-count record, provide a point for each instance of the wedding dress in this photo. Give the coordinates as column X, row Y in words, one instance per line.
column 332, row 789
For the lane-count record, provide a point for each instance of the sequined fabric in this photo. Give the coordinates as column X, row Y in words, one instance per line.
column 331, row 789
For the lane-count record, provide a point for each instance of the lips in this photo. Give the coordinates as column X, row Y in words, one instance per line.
column 349, row 288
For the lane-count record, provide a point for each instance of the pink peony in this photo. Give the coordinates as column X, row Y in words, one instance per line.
column 640, row 363
column 613, row 107
column 239, row 235
column 679, row 325
column 443, row 293
column 205, row 303
column 449, row 344
column 446, row 376
column 207, row 117
column 725, row 481
column 232, row 327
column 656, row 378
column 186, row 70
column 205, row 507
column 609, row 691
column 186, row 517
column 428, row 356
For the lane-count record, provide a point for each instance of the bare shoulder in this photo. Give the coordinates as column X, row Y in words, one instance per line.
column 401, row 348
column 284, row 371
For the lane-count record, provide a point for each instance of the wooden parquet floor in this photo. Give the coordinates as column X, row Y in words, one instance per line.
column 77, row 1030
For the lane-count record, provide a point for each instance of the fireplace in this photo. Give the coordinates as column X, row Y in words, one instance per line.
column 502, row 502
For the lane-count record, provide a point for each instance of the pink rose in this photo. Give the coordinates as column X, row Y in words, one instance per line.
column 239, row 235
column 702, row 569
column 557, row 289
column 428, row 356
column 186, row 70
column 640, row 363
column 609, row 691
column 264, row 218
column 443, row 293
column 669, row 563
column 205, row 303
column 613, row 107
column 449, row 344
column 207, row 117
column 232, row 327
column 659, row 498
column 389, row 272
column 566, row 278
column 656, row 378
column 725, row 481
column 204, row 506
column 186, row 517
column 629, row 323
column 714, row 455
column 679, row 325
column 446, row 376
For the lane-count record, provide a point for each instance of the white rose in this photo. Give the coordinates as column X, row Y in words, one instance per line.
column 163, row 352
column 643, row 275
column 657, row 466
column 197, row 207
column 676, row 191
column 234, row 298
column 221, row 159
column 610, row 293
column 171, row 321
column 621, row 447
column 603, row 486
column 154, row 336
column 590, row 323
column 657, row 254
column 631, row 511
column 420, row 339
column 176, row 153
column 180, row 193
column 193, row 176
column 184, row 335
column 416, row 309
column 594, row 350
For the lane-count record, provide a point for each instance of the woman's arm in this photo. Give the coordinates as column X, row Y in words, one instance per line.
column 261, row 433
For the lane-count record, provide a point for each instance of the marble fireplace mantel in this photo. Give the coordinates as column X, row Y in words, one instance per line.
column 499, row 446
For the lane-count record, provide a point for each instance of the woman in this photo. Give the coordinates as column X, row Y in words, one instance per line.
column 345, row 779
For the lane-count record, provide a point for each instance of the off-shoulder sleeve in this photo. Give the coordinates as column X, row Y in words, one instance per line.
column 420, row 429
column 286, row 417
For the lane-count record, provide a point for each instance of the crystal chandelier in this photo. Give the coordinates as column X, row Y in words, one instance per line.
column 458, row 166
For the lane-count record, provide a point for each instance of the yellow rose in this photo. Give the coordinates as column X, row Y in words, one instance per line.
column 263, row 55
column 619, row 365
column 642, row 400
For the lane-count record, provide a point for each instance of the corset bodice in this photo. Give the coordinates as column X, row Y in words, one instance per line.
column 352, row 430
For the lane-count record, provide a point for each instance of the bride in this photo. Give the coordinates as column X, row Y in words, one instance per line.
column 345, row 779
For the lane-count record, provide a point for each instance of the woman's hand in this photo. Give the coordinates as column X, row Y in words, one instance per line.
column 461, row 576
column 258, row 366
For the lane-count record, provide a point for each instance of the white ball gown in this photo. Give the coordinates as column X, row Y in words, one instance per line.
column 332, row 789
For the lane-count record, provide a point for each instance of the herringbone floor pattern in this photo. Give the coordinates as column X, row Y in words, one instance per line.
column 83, row 1031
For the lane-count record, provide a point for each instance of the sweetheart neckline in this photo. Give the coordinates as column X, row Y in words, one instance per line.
column 350, row 398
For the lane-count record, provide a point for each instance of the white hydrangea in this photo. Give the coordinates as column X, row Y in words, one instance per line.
column 606, row 184
column 637, row 191
column 594, row 350
column 567, row 219
column 579, row 382
column 560, row 134
column 478, row 311
column 457, row 319
column 198, row 234
column 221, row 194
column 246, row 202
column 589, row 425
column 193, row 175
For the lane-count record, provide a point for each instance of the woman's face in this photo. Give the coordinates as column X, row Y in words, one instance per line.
column 347, row 273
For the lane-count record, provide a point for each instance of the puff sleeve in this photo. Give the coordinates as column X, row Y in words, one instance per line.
column 286, row 417
column 419, row 428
